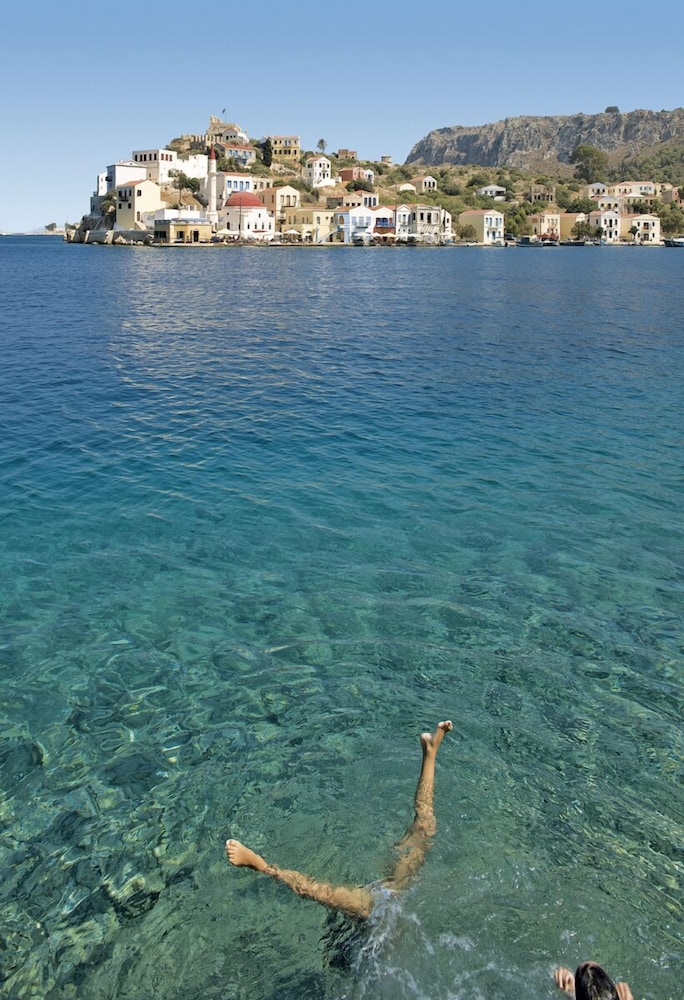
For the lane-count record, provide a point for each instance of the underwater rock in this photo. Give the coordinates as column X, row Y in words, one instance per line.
column 135, row 894
column 500, row 699
column 19, row 756
column 137, row 772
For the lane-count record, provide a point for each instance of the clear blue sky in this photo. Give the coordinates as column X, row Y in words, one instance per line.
column 82, row 84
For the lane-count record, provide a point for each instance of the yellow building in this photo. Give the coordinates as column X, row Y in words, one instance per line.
column 278, row 200
column 640, row 228
column 286, row 148
column 487, row 223
column 135, row 199
column 545, row 224
column 312, row 223
column 183, row 231
column 568, row 223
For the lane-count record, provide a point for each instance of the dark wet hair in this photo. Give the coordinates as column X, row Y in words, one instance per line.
column 593, row 983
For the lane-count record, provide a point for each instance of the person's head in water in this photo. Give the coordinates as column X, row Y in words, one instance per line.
column 593, row 983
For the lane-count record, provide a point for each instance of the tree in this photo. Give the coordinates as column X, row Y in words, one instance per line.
column 184, row 183
column 108, row 203
column 467, row 233
column 591, row 164
column 478, row 180
column 321, row 145
column 267, row 152
column 641, row 207
column 671, row 219
column 51, row 226
column 581, row 230
column 585, row 205
column 563, row 198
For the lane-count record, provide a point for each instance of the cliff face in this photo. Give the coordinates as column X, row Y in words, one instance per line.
column 530, row 143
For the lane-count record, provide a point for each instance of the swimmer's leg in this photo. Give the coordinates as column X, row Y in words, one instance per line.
column 355, row 902
column 412, row 849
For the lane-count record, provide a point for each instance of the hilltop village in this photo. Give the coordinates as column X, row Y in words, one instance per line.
column 220, row 187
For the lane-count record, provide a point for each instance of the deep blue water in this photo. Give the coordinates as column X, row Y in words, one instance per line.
column 266, row 515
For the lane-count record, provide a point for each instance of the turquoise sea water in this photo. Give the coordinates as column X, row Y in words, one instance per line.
column 266, row 515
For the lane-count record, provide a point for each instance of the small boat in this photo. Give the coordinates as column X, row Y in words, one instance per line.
column 573, row 243
column 674, row 241
column 528, row 241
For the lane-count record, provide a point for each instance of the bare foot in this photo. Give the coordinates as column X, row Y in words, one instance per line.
column 430, row 741
column 243, row 857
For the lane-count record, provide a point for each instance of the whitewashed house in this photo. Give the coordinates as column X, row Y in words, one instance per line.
column 595, row 190
column 494, row 191
column 430, row 223
column 317, row 171
column 157, row 163
column 193, row 165
column 647, row 228
column 123, row 172
column 609, row 203
column 425, row 184
column 227, row 183
column 119, row 173
column 608, row 222
column 383, row 223
column 160, row 162
column 634, row 189
column 353, row 222
column 402, row 221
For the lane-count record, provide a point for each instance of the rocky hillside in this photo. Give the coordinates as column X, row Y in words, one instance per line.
column 531, row 143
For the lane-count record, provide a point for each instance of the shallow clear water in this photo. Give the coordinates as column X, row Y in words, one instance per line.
column 268, row 514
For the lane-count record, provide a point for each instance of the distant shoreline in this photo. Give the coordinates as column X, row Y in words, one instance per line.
column 55, row 232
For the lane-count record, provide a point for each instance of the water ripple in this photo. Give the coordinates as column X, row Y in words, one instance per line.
column 265, row 517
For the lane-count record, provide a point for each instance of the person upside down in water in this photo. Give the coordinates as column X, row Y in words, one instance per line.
column 590, row 982
column 358, row 902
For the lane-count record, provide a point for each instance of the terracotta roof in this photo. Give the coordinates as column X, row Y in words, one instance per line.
column 245, row 199
column 233, row 145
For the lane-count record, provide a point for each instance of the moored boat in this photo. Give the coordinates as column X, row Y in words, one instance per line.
column 674, row 241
